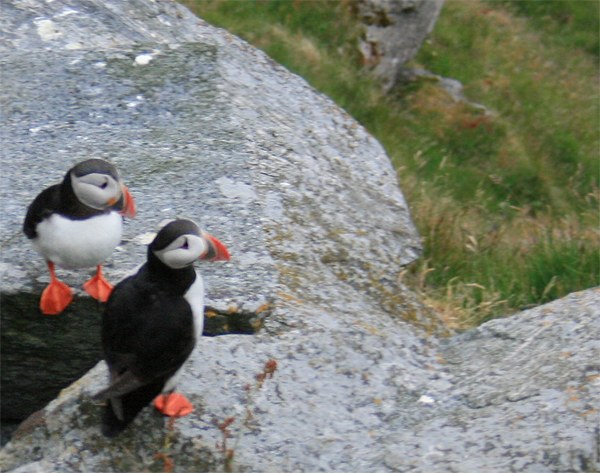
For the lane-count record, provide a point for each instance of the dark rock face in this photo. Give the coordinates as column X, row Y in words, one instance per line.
column 203, row 125
column 42, row 355
column 394, row 31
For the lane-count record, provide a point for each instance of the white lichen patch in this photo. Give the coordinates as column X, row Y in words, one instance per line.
column 66, row 12
column 236, row 190
column 74, row 45
column 427, row 400
column 145, row 58
column 47, row 30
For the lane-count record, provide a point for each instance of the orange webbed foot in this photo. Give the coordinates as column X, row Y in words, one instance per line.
column 98, row 287
column 57, row 295
column 55, row 298
column 173, row 405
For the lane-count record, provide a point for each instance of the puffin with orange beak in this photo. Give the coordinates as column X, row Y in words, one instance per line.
column 77, row 224
column 151, row 324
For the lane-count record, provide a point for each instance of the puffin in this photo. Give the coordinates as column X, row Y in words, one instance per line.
column 151, row 323
column 77, row 224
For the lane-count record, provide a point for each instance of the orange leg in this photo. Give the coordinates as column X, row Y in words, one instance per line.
column 173, row 405
column 98, row 287
column 57, row 295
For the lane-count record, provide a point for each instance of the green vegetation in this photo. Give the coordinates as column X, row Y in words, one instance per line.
column 565, row 22
column 506, row 196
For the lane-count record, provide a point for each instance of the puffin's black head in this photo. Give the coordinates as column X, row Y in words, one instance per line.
column 95, row 166
column 96, row 184
column 179, row 243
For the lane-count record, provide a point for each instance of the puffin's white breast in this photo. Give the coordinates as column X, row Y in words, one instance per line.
column 78, row 243
column 195, row 298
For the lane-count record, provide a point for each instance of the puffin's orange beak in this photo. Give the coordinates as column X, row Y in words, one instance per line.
column 128, row 209
column 217, row 251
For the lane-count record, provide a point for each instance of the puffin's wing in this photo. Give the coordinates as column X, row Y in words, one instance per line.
column 120, row 385
column 147, row 333
column 167, row 340
column 146, row 336
column 42, row 206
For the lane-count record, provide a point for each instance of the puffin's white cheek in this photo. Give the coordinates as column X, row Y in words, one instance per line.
column 90, row 195
column 183, row 251
column 197, row 247
column 178, row 258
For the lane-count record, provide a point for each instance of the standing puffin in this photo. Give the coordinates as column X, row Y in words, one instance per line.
column 77, row 224
column 151, row 323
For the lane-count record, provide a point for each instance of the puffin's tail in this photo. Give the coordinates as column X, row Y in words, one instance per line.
column 120, row 411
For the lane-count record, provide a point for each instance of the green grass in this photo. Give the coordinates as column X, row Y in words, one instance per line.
column 569, row 23
column 506, row 200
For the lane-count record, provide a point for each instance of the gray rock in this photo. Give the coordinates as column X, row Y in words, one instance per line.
column 452, row 87
column 201, row 125
column 204, row 125
column 359, row 392
column 393, row 32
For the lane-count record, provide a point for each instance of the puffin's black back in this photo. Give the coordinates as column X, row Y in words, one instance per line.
column 147, row 329
column 44, row 205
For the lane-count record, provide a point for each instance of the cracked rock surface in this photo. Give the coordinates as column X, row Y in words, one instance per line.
column 203, row 125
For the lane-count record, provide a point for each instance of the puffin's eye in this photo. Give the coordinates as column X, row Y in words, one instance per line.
column 104, row 185
column 185, row 245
